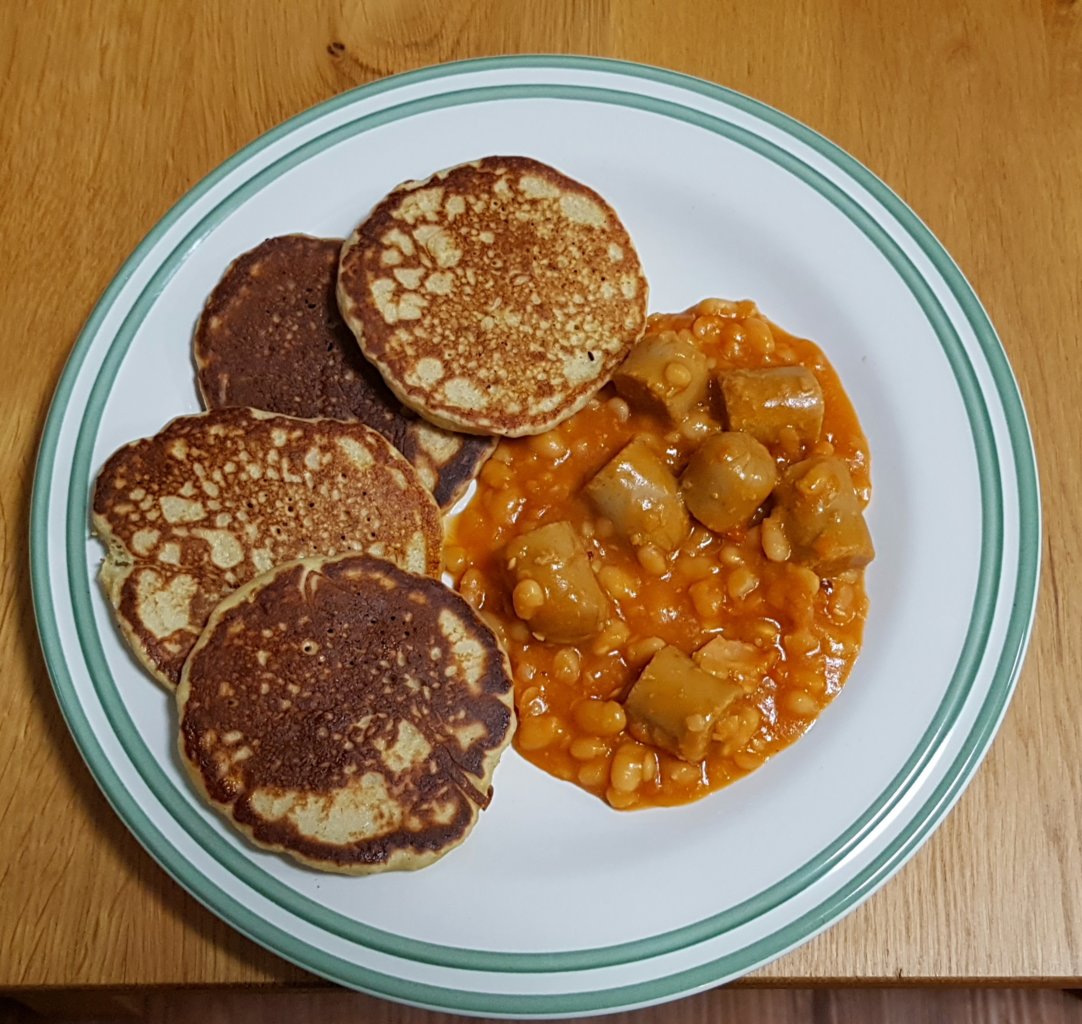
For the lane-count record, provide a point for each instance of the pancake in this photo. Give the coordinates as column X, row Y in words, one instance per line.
column 216, row 499
column 346, row 713
column 270, row 337
column 496, row 297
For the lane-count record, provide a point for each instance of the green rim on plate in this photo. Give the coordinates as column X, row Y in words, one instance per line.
column 240, row 866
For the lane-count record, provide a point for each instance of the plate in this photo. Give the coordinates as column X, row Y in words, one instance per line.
column 558, row 905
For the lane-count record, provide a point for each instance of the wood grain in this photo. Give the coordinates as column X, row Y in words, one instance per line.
column 969, row 110
column 747, row 1005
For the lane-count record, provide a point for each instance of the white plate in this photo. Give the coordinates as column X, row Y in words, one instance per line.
column 558, row 905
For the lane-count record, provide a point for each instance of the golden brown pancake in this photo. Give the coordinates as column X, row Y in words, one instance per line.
column 346, row 713
column 214, row 500
column 271, row 337
column 496, row 297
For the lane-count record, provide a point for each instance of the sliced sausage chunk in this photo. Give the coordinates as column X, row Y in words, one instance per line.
column 772, row 403
column 664, row 373
column 674, row 704
column 554, row 590
column 820, row 514
column 636, row 490
column 728, row 478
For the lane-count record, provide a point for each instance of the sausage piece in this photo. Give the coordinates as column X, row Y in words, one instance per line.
column 636, row 490
column 728, row 478
column 664, row 374
column 819, row 511
column 674, row 704
column 768, row 404
column 555, row 590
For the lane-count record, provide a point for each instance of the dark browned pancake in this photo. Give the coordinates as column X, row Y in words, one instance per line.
column 211, row 501
column 496, row 297
column 346, row 713
column 271, row 337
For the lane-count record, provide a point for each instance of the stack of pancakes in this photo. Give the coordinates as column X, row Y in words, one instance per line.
column 275, row 560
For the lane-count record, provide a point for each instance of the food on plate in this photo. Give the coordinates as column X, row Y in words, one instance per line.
column 667, row 547
column 638, row 493
column 727, row 478
column 271, row 337
column 495, row 297
column 675, row 704
column 676, row 571
column 774, row 404
column 552, row 585
column 665, row 373
column 346, row 713
column 213, row 500
column 819, row 517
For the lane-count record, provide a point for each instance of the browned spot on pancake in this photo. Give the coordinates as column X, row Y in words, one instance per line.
column 271, row 337
column 347, row 713
column 215, row 500
column 495, row 297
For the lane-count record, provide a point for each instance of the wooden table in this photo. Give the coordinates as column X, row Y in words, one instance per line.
column 969, row 110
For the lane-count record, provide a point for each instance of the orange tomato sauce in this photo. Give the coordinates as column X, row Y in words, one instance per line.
column 806, row 631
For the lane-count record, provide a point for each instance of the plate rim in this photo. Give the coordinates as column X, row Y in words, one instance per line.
column 1004, row 387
